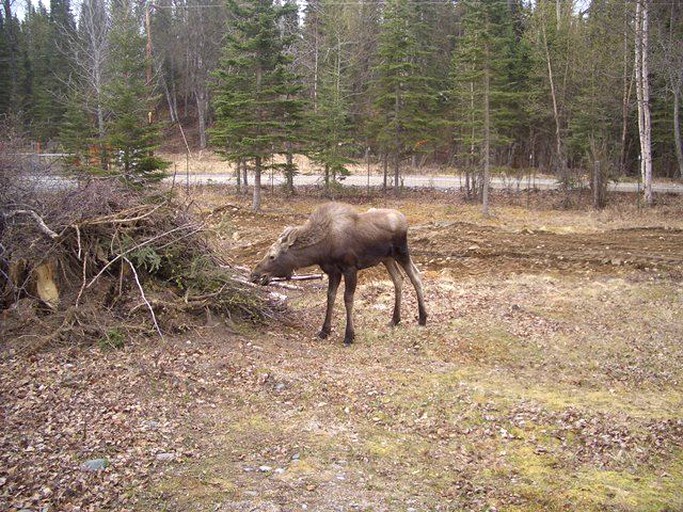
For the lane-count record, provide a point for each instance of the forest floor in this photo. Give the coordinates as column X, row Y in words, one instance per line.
column 549, row 377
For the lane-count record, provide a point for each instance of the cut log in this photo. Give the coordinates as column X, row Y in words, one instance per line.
column 46, row 286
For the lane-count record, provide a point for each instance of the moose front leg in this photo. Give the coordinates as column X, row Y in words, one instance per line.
column 350, row 280
column 334, row 278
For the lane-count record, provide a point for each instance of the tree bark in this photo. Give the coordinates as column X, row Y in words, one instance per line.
column 487, row 143
column 290, row 167
column 561, row 162
column 643, row 94
column 172, row 112
column 397, row 142
column 598, row 187
column 148, row 48
column 397, row 174
column 626, row 98
column 202, row 98
column 256, row 203
column 385, row 170
column 245, row 177
column 238, row 176
column 677, row 132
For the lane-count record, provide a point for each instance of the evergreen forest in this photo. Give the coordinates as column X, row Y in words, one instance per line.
column 477, row 85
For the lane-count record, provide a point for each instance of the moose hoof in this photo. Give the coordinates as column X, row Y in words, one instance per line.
column 422, row 320
column 348, row 341
column 323, row 334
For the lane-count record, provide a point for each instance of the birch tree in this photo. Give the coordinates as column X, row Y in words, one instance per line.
column 91, row 51
column 643, row 95
column 203, row 53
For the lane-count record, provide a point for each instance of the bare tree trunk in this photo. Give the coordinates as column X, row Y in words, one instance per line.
column 148, row 48
column 397, row 144
column 385, row 168
column 677, row 132
column 598, row 187
column 468, row 185
column 290, row 167
column 316, row 64
column 559, row 150
column 469, row 182
column 245, row 176
column 367, row 163
column 626, row 98
column 256, row 203
column 238, row 176
column 487, row 144
column 202, row 99
column 91, row 48
column 172, row 112
column 643, row 93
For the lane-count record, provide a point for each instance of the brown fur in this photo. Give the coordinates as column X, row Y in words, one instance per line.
column 342, row 241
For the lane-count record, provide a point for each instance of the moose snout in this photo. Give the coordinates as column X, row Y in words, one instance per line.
column 262, row 279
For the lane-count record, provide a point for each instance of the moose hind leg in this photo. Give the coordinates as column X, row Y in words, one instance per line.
column 414, row 275
column 350, row 280
column 397, row 278
column 334, row 279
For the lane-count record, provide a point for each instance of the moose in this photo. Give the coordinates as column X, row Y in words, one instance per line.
column 342, row 241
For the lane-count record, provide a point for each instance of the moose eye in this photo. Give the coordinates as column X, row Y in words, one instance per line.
column 271, row 257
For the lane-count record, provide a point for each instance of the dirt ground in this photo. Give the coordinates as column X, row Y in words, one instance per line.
column 549, row 377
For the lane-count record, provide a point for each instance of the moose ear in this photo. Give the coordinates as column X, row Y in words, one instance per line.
column 289, row 236
column 283, row 235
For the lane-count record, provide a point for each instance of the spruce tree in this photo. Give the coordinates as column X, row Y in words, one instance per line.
column 37, row 78
column 132, row 133
column 78, row 135
column 256, row 105
column 10, row 68
column 404, row 96
column 62, row 28
column 45, row 37
column 482, row 91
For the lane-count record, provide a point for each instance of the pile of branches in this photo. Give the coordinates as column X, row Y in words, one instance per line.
column 98, row 261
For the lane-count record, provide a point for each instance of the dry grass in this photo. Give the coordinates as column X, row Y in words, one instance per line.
column 548, row 377
column 526, row 391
